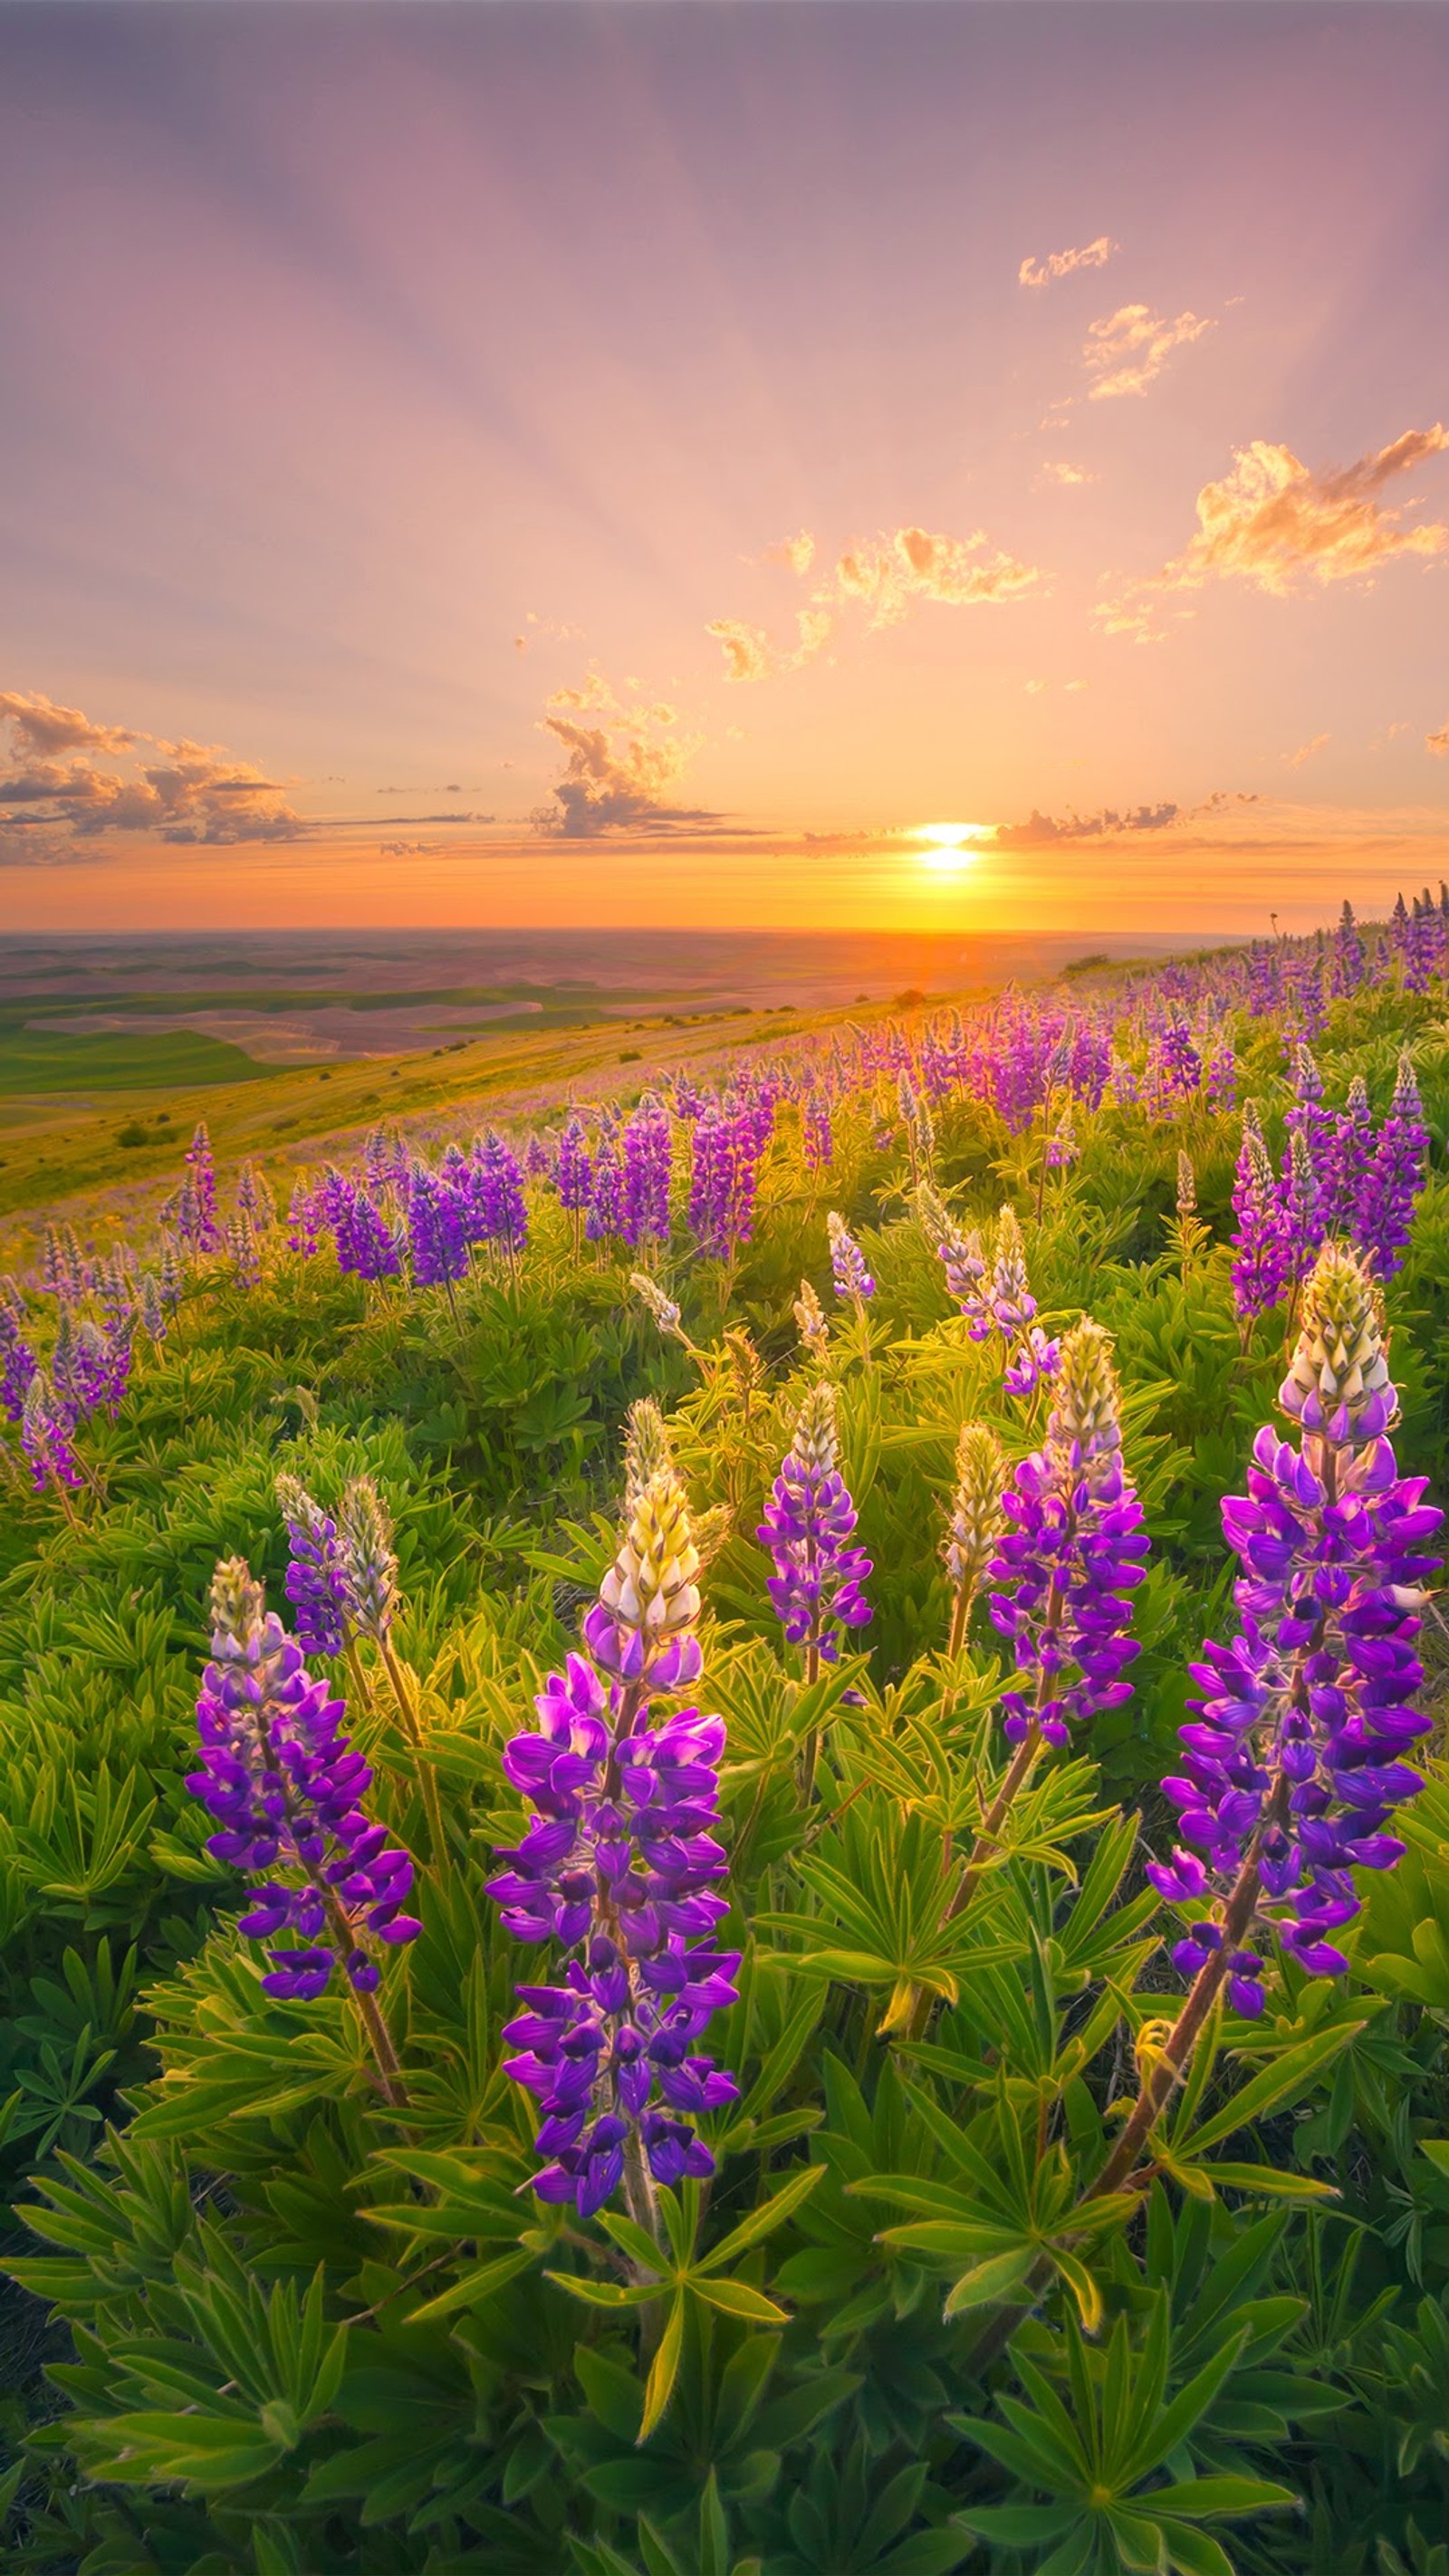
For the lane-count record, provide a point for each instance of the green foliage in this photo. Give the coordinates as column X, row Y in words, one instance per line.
column 303, row 2330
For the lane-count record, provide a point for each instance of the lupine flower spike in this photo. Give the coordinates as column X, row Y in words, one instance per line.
column 620, row 1866
column 808, row 1527
column 286, row 1788
column 1294, row 1760
column 974, row 1525
column 847, row 1263
column 1066, row 1568
column 663, row 1309
column 810, row 1317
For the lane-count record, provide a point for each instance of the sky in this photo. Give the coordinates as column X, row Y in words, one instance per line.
column 659, row 462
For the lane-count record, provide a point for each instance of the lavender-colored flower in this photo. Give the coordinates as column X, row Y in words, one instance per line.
column 202, row 1228
column 648, row 1159
column 18, row 1364
column 1033, row 1361
column 1221, row 1088
column 1008, row 1304
column 1071, row 1555
column 847, row 1261
column 808, row 1527
column 1262, row 1258
column 63, row 1266
column 573, row 1172
column 958, row 1251
column 438, row 1229
column 254, row 1199
column 606, row 1195
column 244, row 1250
column 619, row 1864
column 45, row 1437
column 367, row 1245
column 286, row 1787
column 816, row 1133
column 303, row 1219
column 316, row 1579
column 367, row 1559
column 1394, row 1178
column 1350, row 965
column 500, row 1212
column 1294, row 1763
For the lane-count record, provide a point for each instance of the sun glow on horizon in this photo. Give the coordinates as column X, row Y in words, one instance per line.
column 950, row 847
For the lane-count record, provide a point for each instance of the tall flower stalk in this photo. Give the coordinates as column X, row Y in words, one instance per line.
column 286, row 1788
column 619, row 1865
column 1294, row 1760
column 973, row 1528
column 1065, row 1568
column 809, row 1529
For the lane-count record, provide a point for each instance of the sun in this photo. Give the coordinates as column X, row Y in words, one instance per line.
column 950, row 847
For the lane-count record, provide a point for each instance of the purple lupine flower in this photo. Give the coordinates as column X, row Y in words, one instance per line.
column 437, row 1221
column 1033, row 1361
column 1294, row 1761
column 367, row 1246
column 18, row 1364
column 648, row 1160
column 1261, row 1261
column 254, row 1198
column 500, row 1210
column 203, row 1231
column 1221, row 1089
column 303, row 1219
column 245, row 1252
column 173, row 1277
column 1177, row 1057
column 808, row 1527
column 1071, row 1555
column 816, row 1133
column 368, row 1560
column 959, row 1252
column 619, row 1864
column 573, row 1172
column 63, row 1265
column 1349, row 962
column 847, row 1261
column 606, row 1194
column 1349, row 1160
column 286, row 1787
column 45, row 1436
column 1394, row 1178
column 316, row 1579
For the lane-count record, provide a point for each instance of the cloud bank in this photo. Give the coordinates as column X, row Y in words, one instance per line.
column 185, row 793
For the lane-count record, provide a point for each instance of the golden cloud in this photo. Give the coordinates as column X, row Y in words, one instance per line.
column 1274, row 523
column 1127, row 351
column 1062, row 263
column 885, row 577
column 1306, row 750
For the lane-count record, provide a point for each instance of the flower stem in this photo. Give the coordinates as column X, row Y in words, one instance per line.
column 412, row 1727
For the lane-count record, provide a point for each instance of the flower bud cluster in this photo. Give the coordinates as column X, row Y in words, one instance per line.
column 809, row 1526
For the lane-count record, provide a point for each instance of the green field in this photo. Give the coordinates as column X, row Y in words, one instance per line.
column 59, row 1060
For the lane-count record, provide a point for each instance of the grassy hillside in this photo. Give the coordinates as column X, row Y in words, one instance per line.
column 984, row 2211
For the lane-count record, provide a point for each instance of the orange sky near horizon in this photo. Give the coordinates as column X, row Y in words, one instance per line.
column 608, row 464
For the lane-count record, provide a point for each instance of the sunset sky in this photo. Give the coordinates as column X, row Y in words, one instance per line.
column 641, row 463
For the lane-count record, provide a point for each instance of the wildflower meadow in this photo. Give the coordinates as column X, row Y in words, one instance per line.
column 725, row 1836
